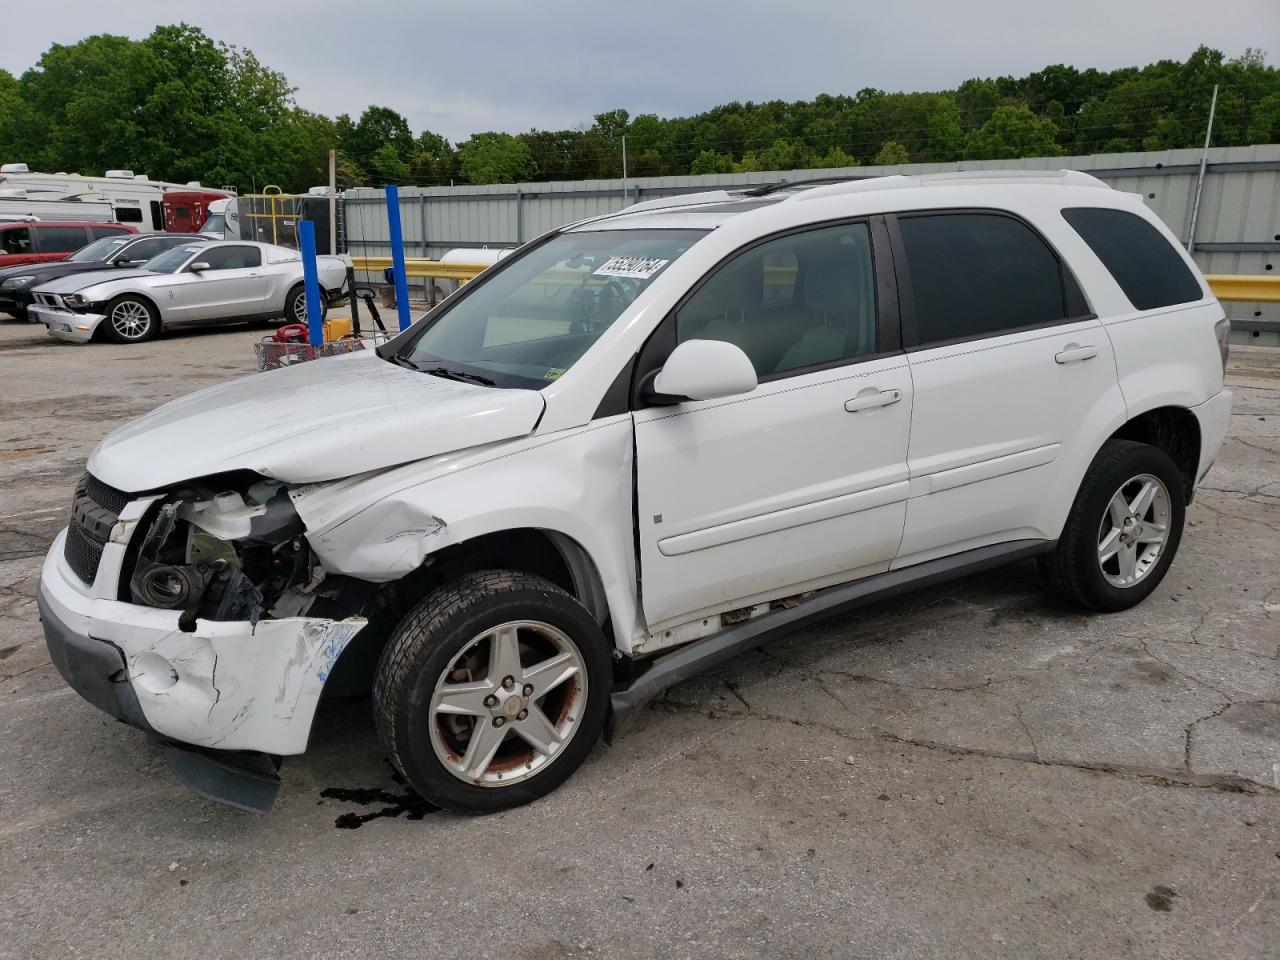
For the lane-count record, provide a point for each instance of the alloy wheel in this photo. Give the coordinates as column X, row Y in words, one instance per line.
column 1134, row 530
column 131, row 320
column 508, row 703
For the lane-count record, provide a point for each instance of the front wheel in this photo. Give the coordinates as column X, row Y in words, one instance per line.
column 1123, row 530
column 295, row 305
column 492, row 691
column 130, row 319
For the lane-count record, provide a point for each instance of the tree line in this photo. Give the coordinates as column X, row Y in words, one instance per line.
column 181, row 106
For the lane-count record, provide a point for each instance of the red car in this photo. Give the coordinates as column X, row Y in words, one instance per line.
column 39, row 241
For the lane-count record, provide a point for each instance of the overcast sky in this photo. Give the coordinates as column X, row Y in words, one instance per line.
column 457, row 68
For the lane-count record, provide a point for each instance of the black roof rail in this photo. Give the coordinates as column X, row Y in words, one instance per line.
column 812, row 182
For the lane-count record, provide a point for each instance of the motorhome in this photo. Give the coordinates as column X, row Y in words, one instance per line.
column 135, row 199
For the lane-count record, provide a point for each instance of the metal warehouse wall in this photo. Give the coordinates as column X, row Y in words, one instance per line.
column 1238, row 231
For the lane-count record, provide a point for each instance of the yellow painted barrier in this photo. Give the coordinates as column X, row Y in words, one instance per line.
column 1251, row 288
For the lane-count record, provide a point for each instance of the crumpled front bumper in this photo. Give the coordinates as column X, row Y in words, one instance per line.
column 223, row 685
column 64, row 324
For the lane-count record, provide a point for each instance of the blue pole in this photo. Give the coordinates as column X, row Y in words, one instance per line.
column 311, row 280
column 397, row 254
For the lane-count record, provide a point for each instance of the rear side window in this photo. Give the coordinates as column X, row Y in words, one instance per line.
column 981, row 275
column 1148, row 269
column 61, row 239
column 100, row 232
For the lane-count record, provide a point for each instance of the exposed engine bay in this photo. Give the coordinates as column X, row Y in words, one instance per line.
column 221, row 554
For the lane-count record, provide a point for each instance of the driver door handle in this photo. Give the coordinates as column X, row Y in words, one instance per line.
column 1073, row 352
column 869, row 401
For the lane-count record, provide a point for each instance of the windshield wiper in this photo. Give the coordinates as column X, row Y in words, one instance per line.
column 404, row 361
column 450, row 374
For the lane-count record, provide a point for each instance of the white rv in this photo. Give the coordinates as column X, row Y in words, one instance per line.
column 135, row 199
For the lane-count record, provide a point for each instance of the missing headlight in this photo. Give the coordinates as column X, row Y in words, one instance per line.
column 226, row 555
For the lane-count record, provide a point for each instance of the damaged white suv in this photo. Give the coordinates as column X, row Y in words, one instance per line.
column 636, row 447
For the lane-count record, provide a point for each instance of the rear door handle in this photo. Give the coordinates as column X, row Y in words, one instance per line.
column 870, row 399
column 1073, row 352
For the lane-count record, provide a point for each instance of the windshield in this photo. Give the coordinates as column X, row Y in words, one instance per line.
column 98, row 250
column 529, row 323
column 216, row 224
column 171, row 260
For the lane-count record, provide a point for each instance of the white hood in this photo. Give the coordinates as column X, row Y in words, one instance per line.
column 321, row 420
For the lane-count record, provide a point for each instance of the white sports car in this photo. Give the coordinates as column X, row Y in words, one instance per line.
column 192, row 284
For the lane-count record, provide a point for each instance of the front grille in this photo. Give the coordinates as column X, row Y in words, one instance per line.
column 94, row 513
column 49, row 299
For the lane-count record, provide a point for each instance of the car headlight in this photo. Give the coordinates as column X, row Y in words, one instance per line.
column 14, row 282
column 75, row 300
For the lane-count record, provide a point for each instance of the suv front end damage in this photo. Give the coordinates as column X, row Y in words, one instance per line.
column 184, row 614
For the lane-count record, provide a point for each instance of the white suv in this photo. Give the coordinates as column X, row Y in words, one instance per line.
column 633, row 449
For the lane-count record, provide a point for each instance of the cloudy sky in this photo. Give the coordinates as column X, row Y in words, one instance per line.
column 457, row 68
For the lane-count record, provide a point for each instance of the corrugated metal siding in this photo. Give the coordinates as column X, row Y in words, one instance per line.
column 1240, row 203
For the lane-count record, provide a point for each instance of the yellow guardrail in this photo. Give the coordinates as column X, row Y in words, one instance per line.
column 1251, row 289
column 422, row 268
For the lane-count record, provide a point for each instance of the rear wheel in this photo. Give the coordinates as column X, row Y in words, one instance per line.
column 492, row 691
column 1123, row 530
column 130, row 319
column 295, row 305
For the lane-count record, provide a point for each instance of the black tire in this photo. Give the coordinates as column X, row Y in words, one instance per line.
column 116, row 327
column 425, row 645
column 295, row 310
column 1073, row 569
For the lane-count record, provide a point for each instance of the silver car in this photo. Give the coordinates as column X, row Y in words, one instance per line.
column 193, row 284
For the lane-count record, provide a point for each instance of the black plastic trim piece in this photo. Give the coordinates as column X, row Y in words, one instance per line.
column 693, row 658
column 245, row 781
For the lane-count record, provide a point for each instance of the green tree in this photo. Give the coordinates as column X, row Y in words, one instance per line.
column 1013, row 132
column 892, row 154
column 495, row 158
column 708, row 161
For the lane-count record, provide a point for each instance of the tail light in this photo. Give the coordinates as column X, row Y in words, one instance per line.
column 1222, row 331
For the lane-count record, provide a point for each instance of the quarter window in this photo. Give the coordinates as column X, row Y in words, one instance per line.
column 1148, row 269
column 980, row 275
column 798, row 301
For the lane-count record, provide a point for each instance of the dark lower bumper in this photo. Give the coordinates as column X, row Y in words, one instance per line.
column 95, row 669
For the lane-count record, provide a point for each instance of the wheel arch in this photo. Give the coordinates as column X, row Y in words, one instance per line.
column 1172, row 429
column 150, row 301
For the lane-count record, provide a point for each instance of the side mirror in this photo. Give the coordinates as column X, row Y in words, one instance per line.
column 198, row 267
column 126, row 262
column 702, row 370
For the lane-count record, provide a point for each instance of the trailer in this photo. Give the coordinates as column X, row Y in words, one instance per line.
column 134, row 199
column 16, row 205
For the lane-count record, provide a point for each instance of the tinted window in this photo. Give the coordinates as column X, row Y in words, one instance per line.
column 157, row 216
column 1149, row 270
column 16, row 240
column 129, row 214
column 976, row 274
column 99, row 232
column 59, row 239
column 800, row 300
column 232, row 258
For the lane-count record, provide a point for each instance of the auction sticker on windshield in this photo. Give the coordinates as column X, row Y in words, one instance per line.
column 636, row 268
